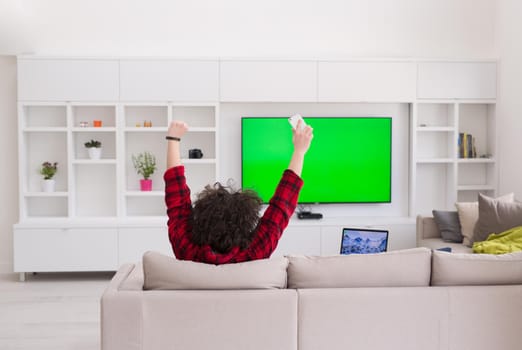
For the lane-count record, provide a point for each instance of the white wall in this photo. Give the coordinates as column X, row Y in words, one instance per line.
column 509, row 28
column 9, row 167
column 393, row 28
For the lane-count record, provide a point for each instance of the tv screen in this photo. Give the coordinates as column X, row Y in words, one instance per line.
column 349, row 160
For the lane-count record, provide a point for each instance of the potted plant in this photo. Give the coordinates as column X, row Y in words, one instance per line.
column 94, row 149
column 145, row 165
column 48, row 170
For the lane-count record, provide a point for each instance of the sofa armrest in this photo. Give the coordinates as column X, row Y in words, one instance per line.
column 121, row 314
column 121, row 275
column 426, row 228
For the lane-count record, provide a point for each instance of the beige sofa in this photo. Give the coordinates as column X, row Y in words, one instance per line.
column 413, row 299
column 428, row 235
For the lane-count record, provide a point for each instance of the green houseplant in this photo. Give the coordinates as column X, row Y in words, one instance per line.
column 94, row 149
column 145, row 165
column 48, row 170
column 93, row 143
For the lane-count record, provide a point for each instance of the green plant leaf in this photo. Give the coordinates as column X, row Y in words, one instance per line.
column 144, row 163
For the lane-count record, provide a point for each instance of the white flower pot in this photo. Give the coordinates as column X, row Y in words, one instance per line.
column 95, row 152
column 48, row 185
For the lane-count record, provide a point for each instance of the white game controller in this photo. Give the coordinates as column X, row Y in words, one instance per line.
column 293, row 120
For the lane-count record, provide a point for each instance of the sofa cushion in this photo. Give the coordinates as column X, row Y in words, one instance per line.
column 449, row 225
column 469, row 214
column 410, row 267
column 167, row 273
column 496, row 217
column 453, row 269
column 437, row 243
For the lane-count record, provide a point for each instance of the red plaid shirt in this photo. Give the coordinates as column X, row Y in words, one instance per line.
column 268, row 232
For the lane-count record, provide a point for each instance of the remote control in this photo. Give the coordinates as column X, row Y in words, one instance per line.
column 293, row 120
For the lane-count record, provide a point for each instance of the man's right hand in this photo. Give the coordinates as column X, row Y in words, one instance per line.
column 177, row 128
column 302, row 137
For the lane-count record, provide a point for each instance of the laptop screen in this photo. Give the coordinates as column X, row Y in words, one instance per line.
column 363, row 241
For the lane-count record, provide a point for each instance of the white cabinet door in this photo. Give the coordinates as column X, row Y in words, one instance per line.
column 331, row 240
column 299, row 240
column 87, row 249
column 133, row 242
column 457, row 80
column 268, row 81
column 169, row 80
column 402, row 236
column 366, row 81
column 68, row 80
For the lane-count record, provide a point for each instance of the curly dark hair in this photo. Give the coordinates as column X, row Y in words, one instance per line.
column 224, row 218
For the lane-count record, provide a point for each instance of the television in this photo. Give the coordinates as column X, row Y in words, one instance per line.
column 349, row 160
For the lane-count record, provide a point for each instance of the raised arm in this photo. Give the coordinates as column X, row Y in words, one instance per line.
column 176, row 131
column 302, row 137
column 177, row 196
column 284, row 201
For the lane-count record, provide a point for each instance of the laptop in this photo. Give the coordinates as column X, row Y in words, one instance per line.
column 363, row 241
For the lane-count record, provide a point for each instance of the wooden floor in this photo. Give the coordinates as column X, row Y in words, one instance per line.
column 51, row 311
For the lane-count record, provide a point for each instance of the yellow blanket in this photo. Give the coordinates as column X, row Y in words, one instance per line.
column 506, row 242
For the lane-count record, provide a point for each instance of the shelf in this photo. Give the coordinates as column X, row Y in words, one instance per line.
column 197, row 117
column 94, row 161
column 475, row 188
column 475, row 160
column 146, row 129
column 201, row 129
column 435, row 129
column 165, row 129
column 45, row 129
column 435, row 160
column 145, row 193
column 94, row 129
column 198, row 161
column 105, row 113
column 46, row 194
column 134, row 115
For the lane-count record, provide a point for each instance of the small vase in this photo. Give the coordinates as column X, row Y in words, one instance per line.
column 146, row 185
column 48, row 185
column 95, row 152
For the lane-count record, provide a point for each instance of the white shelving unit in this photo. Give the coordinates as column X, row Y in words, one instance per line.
column 94, row 188
column 105, row 190
column 441, row 177
column 43, row 135
column 98, row 207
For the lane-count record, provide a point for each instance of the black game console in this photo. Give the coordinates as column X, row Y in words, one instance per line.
column 309, row 215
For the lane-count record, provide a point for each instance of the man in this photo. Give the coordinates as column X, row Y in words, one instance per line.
column 224, row 225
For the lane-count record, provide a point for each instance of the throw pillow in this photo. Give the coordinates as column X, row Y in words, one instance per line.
column 468, row 217
column 400, row 268
column 461, row 269
column 449, row 225
column 496, row 217
column 167, row 273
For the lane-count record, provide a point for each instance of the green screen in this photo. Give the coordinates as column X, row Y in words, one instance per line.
column 349, row 160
